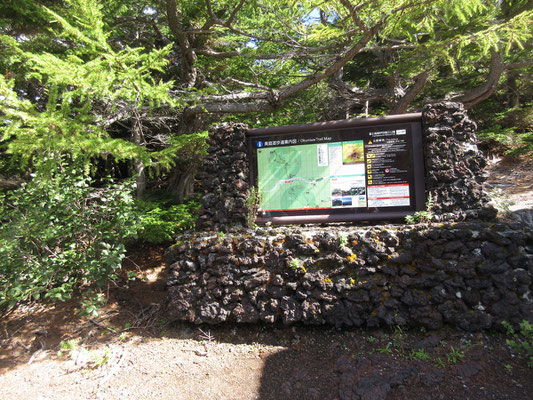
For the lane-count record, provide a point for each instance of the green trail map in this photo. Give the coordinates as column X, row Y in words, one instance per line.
column 291, row 178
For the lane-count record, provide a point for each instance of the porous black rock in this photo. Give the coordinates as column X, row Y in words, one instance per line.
column 247, row 277
column 224, row 182
column 454, row 165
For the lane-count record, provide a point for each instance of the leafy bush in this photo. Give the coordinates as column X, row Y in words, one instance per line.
column 421, row 216
column 161, row 220
column 510, row 129
column 59, row 234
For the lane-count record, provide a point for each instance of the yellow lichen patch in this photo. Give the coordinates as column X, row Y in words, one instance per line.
column 354, row 242
column 352, row 257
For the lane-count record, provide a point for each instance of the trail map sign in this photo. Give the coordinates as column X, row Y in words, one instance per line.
column 339, row 171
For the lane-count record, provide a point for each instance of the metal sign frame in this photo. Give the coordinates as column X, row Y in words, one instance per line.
column 385, row 142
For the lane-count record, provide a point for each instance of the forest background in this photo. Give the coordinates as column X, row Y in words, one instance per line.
column 104, row 106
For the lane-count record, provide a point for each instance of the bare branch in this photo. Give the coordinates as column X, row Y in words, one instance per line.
column 231, row 18
column 305, row 52
column 496, row 69
column 519, row 65
column 392, row 48
column 257, row 106
column 218, row 54
column 236, row 96
column 355, row 94
column 288, row 91
column 244, row 84
column 353, row 13
column 210, row 10
column 216, row 20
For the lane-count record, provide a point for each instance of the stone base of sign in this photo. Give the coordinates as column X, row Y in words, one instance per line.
column 454, row 165
column 471, row 275
column 225, row 183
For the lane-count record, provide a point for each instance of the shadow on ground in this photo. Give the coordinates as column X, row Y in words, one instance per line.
column 398, row 365
column 134, row 306
column 299, row 362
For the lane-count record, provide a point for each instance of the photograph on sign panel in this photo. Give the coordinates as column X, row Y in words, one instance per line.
column 348, row 191
column 353, row 152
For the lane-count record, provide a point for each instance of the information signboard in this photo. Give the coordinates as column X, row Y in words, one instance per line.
column 339, row 171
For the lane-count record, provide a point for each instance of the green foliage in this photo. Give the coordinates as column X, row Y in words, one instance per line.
column 67, row 346
column 499, row 134
column 190, row 148
column 92, row 73
column 521, row 342
column 99, row 359
column 162, row 220
column 42, row 137
column 91, row 302
column 454, row 355
column 439, row 362
column 59, row 234
column 252, row 203
column 343, row 240
column 421, row 216
column 295, row 264
column 419, row 354
column 385, row 350
column 510, row 128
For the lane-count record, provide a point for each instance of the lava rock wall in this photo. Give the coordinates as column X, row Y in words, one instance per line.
column 465, row 274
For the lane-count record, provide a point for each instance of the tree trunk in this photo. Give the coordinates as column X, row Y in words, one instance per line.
column 137, row 138
column 513, row 95
column 412, row 92
column 141, row 177
column 181, row 182
column 484, row 91
column 10, row 183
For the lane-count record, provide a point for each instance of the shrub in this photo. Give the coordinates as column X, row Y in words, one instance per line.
column 510, row 129
column 59, row 234
column 161, row 220
column 422, row 216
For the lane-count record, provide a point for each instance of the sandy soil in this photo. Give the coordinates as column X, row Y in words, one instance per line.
column 131, row 351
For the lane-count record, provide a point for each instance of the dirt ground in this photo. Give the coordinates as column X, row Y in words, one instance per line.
column 130, row 351
column 514, row 180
